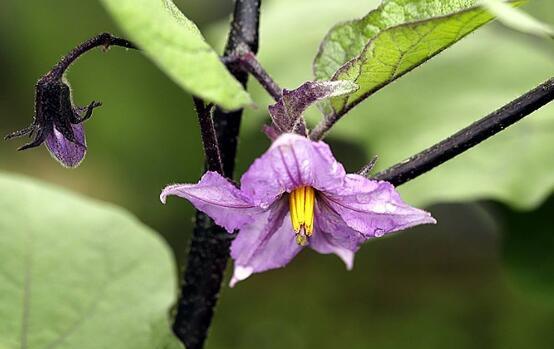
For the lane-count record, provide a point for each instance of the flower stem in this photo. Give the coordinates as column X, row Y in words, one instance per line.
column 105, row 39
column 210, row 244
column 209, row 138
column 469, row 136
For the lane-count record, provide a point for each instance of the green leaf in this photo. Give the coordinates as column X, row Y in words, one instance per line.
column 390, row 41
column 466, row 82
column 76, row 273
column 517, row 20
column 434, row 102
column 176, row 45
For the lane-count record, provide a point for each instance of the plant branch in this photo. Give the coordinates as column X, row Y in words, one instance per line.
column 210, row 244
column 209, row 138
column 323, row 127
column 469, row 136
column 246, row 60
column 105, row 39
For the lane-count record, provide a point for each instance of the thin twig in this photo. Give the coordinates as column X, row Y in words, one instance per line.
column 469, row 136
column 105, row 39
column 245, row 59
column 322, row 127
column 210, row 244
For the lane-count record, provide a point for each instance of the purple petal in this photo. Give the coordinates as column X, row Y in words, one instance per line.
column 373, row 208
column 267, row 243
column 324, row 244
column 218, row 198
column 333, row 235
column 287, row 112
column 292, row 161
column 69, row 154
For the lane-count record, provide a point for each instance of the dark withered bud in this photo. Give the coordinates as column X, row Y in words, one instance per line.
column 57, row 122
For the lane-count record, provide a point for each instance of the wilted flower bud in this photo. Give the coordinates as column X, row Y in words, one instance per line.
column 57, row 122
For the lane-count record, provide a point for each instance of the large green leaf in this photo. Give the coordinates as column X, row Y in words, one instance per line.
column 466, row 82
column 75, row 273
column 176, row 45
column 392, row 40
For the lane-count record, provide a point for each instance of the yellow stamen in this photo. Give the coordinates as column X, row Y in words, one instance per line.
column 300, row 192
column 293, row 215
column 309, row 211
column 301, row 205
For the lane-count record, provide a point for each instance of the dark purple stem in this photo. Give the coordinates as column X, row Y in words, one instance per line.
column 209, row 138
column 210, row 244
column 105, row 39
column 323, row 127
column 469, row 136
column 246, row 60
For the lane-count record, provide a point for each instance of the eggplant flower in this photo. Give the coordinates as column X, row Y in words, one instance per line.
column 57, row 122
column 298, row 195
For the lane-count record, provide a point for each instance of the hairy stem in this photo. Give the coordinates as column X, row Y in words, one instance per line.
column 469, row 136
column 246, row 60
column 210, row 244
column 323, row 127
column 105, row 39
column 209, row 137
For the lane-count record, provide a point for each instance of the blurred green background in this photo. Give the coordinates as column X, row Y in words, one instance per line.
column 482, row 278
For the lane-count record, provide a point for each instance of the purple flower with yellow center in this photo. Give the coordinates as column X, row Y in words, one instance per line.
column 298, row 195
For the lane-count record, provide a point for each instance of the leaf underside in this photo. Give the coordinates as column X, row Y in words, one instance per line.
column 288, row 110
column 75, row 273
column 176, row 45
column 517, row 19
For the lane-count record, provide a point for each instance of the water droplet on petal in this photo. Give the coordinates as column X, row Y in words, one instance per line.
column 379, row 233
